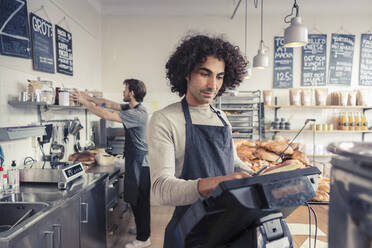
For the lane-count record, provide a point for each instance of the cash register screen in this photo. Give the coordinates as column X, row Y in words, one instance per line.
column 287, row 190
column 73, row 170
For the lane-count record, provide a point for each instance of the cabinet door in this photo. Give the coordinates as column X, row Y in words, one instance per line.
column 59, row 229
column 67, row 226
column 93, row 217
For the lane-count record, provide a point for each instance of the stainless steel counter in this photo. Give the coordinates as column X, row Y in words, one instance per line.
column 51, row 205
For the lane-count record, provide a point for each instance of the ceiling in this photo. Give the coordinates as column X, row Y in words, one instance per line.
column 226, row 7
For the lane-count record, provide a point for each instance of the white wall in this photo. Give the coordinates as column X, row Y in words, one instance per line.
column 139, row 46
column 85, row 25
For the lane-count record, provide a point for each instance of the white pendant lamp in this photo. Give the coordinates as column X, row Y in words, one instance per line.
column 296, row 34
column 261, row 60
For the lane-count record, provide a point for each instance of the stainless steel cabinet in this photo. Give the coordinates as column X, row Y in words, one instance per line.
column 93, row 216
column 58, row 229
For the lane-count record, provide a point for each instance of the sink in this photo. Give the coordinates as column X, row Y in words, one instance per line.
column 32, row 197
column 13, row 212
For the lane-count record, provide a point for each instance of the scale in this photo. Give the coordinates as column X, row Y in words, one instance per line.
column 248, row 212
column 69, row 174
column 61, row 175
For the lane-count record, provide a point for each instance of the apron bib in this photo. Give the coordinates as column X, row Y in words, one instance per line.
column 133, row 163
column 208, row 153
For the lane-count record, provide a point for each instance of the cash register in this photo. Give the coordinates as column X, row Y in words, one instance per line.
column 248, row 212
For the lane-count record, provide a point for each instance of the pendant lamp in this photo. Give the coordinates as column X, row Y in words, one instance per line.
column 296, row 34
column 261, row 60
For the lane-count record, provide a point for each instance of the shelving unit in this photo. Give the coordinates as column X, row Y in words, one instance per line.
column 245, row 112
column 46, row 107
column 277, row 107
column 310, row 131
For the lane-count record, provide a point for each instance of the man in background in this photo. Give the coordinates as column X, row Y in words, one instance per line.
column 134, row 118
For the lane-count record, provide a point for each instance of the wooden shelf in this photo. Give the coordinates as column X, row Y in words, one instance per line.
column 310, row 131
column 319, row 107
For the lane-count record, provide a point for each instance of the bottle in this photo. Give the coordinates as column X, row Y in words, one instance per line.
column 13, row 175
column 281, row 124
column 4, row 180
column 358, row 125
column 364, row 122
column 339, row 121
column 1, row 180
column 345, row 124
column 351, row 121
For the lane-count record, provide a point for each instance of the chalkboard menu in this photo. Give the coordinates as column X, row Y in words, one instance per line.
column 341, row 59
column 283, row 64
column 63, row 51
column 42, row 44
column 314, row 61
column 14, row 29
column 365, row 67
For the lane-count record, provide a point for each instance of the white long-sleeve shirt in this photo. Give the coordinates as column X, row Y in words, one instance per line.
column 166, row 141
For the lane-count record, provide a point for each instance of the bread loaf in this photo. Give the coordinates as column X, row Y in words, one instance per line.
column 266, row 155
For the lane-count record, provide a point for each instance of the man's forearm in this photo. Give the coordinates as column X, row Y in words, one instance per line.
column 105, row 103
column 103, row 113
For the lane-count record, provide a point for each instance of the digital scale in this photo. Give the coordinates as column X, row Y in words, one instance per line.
column 60, row 176
column 248, row 212
column 69, row 174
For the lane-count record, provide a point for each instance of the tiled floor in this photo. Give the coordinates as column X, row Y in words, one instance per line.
column 160, row 216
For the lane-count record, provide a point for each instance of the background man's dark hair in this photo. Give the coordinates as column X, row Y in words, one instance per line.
column 194, row 50
column 138, row 87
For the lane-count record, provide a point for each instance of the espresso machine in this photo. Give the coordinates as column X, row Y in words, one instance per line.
column 248, row 212
column 350, row 212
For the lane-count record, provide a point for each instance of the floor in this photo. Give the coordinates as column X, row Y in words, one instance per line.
column 160, row 216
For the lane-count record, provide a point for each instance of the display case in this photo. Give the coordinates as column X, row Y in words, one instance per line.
column 245, row 112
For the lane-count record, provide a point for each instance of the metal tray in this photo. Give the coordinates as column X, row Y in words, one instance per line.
column 361, row 151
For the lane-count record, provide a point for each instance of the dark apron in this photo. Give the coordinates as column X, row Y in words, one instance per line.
column 208, row 153
column 133, row 163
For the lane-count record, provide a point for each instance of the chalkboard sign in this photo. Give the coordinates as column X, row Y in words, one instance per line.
column 365, row 66
column 63, row 51
column 283, row 64
column 14, row 29
column 314, row 61
column 42, row 44
column 341, row 59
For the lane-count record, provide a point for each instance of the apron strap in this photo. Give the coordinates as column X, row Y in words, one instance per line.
column 219, row 115
column 186, row 112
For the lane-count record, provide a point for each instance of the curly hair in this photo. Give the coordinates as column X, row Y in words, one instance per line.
column 193, row 51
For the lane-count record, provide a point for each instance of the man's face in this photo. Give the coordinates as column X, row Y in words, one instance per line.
column 205, row 81
column 126, row 95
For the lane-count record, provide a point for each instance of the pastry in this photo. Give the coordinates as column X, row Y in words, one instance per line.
column 300, row 156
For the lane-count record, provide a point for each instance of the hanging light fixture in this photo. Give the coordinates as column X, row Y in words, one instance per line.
column 249, row 68
column 296, row 34
column 261, row 60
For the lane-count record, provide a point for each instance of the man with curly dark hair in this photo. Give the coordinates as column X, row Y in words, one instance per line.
column 190, row 143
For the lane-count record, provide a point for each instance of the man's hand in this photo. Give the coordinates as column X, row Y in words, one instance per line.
column 80, row 96
column 207, row 185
